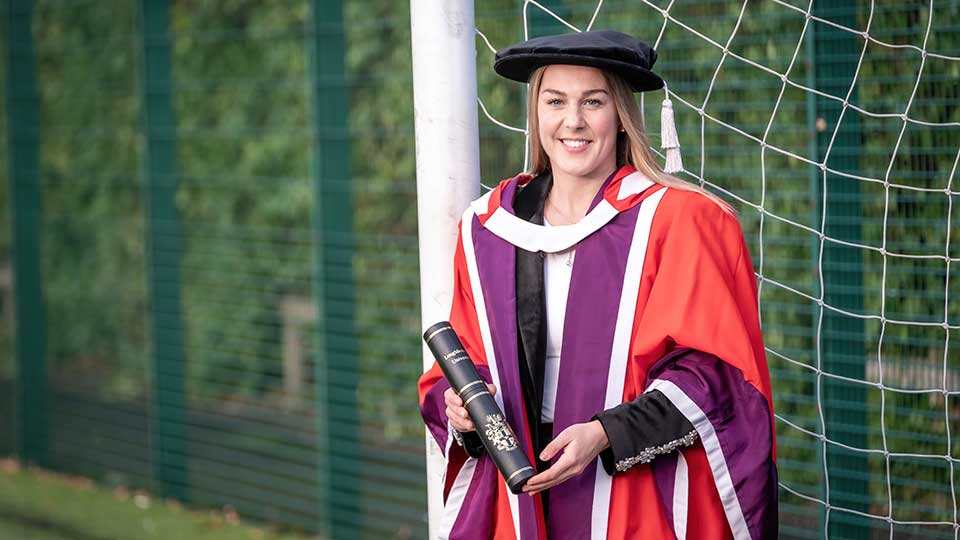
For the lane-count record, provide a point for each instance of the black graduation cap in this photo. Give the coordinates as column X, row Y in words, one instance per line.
column 614, row 51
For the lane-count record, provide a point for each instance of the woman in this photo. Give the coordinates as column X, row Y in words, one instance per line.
column 613, row 309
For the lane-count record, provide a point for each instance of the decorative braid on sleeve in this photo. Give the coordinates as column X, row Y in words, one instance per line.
column 642, row 429
column 647, row 454
column 457, row 436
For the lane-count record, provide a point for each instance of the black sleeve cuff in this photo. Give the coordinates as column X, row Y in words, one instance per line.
column 470, row 441
column 642, row 429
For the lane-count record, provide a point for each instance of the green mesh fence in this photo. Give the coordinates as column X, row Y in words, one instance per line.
column 186, row 154
column 228, row 258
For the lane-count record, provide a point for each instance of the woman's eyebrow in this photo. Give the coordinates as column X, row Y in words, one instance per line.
column 587, row 93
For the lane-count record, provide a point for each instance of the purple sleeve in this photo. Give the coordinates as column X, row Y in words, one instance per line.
column 732, row 418
column 434, row 413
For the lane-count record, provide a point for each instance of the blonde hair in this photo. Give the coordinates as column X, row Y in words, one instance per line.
column 633, row 147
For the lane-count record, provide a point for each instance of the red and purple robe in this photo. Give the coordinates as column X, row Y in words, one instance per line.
column 659, row 272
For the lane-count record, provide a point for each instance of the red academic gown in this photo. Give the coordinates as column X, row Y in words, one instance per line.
column 658, row 271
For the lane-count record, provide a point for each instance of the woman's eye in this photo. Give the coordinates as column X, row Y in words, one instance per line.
column 554, row 101
column 593, row 102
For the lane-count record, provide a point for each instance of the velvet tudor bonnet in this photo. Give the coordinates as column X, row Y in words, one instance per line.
column 616, row 52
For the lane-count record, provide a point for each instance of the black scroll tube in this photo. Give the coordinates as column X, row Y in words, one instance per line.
column 495, row 433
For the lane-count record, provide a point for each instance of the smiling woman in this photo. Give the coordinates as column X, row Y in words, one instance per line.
column 576, row 130
column 634, row 372
column 631, row 145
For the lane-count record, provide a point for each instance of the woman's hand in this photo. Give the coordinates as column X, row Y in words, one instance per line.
column 581, row 443
column 457, row 413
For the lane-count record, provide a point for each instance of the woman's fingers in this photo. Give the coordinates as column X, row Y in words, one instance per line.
column 554, row 446
column 451, row 398
column 580, row 444
column 559, row 472
column 456, row 413
column 460, row 422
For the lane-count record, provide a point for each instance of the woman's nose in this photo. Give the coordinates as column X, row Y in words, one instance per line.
column 573, row 118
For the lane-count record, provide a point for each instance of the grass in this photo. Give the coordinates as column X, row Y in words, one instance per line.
column 14, row 529
column 39, row 505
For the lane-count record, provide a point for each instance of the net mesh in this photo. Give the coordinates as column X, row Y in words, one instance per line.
column 834, row 129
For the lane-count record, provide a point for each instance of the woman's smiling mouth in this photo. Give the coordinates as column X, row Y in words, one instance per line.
column 575, row 145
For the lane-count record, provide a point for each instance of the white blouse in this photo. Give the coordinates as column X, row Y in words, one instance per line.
column 557, row 270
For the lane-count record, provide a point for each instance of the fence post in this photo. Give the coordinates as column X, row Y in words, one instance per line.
column 23, row 113
column 335, row 362
column 843, row 348
column 168, row 404
column 448, row 166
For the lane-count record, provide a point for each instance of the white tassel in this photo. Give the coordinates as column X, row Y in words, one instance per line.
column 668, row 137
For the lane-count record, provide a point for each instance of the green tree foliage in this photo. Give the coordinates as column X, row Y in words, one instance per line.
column 241, row 99
column 92, row 233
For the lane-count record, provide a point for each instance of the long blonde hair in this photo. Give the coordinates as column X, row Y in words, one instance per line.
column 633, row 147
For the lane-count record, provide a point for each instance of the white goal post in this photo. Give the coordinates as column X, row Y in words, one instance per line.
column 448, row 165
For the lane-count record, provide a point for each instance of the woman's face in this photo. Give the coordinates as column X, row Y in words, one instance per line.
column 577, row 122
